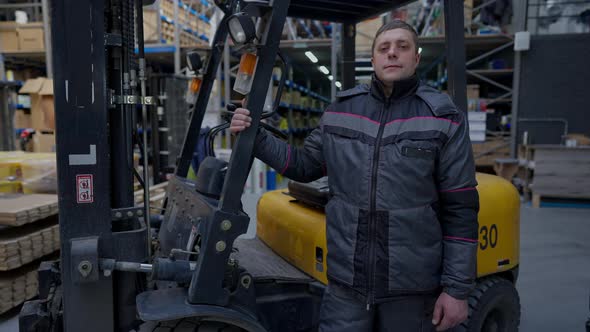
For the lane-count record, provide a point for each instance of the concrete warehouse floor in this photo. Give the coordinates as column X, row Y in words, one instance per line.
column 554, row 282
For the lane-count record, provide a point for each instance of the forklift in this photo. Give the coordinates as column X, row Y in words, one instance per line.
column 124, row 268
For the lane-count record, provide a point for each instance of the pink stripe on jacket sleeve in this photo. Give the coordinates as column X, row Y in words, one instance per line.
column 288, row 159
column 461, row 239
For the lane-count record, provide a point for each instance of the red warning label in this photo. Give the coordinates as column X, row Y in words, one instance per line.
column 85, row 188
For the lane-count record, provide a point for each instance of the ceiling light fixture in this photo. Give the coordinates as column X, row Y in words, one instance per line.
column 311, row 57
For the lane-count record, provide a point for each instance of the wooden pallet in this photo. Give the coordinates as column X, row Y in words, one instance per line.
column 22, row 245
column 18, row 209
column 157, row 195
column 20, row 285
column 14, row 290
column 493, row 148
column 150, row 26
column 556, row 171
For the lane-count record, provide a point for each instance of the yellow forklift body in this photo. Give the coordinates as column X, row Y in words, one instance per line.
column 294, row 231
column 499, row 225
column 297, row 232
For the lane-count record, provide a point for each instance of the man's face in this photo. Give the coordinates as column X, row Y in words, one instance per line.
column 395, row 56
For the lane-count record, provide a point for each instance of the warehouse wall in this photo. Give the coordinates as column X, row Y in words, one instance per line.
column 555, row 83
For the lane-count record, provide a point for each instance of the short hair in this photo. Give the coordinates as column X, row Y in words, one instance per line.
column 396, row 24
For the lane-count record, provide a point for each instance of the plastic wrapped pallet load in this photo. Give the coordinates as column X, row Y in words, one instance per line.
column 40, row 174
column 11, row 171
column 10, row 165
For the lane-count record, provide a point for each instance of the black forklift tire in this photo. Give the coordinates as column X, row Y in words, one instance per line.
column 494, row 306
column 192, row 325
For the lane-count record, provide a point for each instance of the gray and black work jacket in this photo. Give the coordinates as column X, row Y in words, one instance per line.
column 402, row 218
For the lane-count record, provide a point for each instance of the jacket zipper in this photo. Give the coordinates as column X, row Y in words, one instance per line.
column 373, row 209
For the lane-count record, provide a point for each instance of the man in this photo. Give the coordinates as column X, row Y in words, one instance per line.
column 402, row 222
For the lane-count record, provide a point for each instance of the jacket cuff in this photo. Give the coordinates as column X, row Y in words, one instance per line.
column 457, row 293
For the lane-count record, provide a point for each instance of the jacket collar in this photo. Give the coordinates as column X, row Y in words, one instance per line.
column 401, row 88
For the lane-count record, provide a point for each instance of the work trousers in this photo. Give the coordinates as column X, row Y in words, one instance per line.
column 342, row 312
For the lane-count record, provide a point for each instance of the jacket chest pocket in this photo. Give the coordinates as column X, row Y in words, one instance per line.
column 407, row 173
column 418, row 152
column 416, row 156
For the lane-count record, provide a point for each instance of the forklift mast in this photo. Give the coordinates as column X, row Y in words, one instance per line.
column 102, row 280
column 95, row 71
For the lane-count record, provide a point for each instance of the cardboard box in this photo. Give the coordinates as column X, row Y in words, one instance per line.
column 32, row 88
column 30, row 37
column 21, row 37
column 22, row 119
column 150, row 26
column 40, row 174
column 42, row 109
column 8, row 37
column 47, row 104
column 44, row 141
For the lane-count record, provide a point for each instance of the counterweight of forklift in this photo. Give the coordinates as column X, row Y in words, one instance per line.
column 488, row 237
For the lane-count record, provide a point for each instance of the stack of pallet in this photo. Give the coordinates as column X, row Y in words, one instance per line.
column 495, row 147
column 22, row 245
column 556, row 171
column 157, row 195
column 29, row 232
column 17, row 210
column 17, row 287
